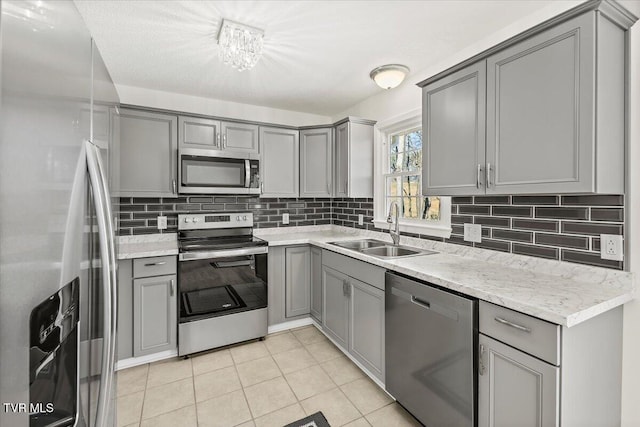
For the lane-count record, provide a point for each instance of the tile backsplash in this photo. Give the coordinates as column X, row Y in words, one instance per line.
column 555, row 227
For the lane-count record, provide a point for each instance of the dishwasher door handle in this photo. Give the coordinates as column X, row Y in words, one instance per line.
column 434, row 307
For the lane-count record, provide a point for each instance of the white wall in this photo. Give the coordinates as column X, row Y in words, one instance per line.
column 216, row 107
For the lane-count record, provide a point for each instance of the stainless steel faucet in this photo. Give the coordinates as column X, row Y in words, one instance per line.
column 395, row 234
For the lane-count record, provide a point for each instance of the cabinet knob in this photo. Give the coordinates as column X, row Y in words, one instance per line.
column 481, row 360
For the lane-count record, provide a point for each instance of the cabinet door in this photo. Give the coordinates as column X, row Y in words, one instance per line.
column 316, row 162
column 453, row 128
column 154, row 315
column 540, row 112
column 335, row 305
column 240, row 137
column 515, row 389
column 297, row 283
column 148, row 150
column 341, row 170
column 366, row 338
column 316, row 283
column 279, row 154
column 195, row 132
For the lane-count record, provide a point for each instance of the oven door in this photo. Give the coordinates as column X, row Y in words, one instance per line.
column 201, row 172
column 233, row 281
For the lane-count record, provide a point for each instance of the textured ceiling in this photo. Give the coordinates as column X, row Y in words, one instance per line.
column 317, row 54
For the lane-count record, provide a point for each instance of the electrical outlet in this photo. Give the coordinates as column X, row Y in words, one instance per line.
column 611, row 247
column 285, row 218
column 360, row 219
column 473, row 233
column 162, row 223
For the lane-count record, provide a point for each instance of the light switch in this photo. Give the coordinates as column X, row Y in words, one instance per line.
column 285, row 218
column 473, row 233
column 162, row 223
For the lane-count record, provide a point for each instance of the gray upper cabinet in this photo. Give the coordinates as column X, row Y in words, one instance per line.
column 148, row 154
column 240, row 137
column 297, row 280
column 453, row 121
column 155, row 315
column 316, row 154
column 366, row 338
column 316, row 283
column 554, row 113
column 195, row 132
column 335, row 305
column 353, row 164
column 279, row 162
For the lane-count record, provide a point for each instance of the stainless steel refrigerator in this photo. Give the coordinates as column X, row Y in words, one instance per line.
column 58, row 158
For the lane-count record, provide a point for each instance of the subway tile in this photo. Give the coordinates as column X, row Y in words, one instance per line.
column 562, row 213
column 146, row 200
column 132, row 208
column 594, row 200
column 162, row 207
column 144, row 230
column 458, row 240
column 535, row 200
column 591, row 228
column 268, row 199
column 519, row 236
column 607, row 214
column 474, row 209
column 125, row 200
column 236, row 206
column 519, row 211
column 257, row 206
column 536, row 251
column 368, row 205
column 491, row 220
column 292, row 205
column 187, row 207
column 575, row 242
column 595, row 244
column 493, row 244
column 491, row 200
column 457, row 229
column 200, row 199
column 462, row 200
column 461, row 219
column 277, row 205
column 124, row 215
column 225, row 199
column 535, row 225
column 212, row 207
column 589, row 259
column 135, row 223
column 145, row 215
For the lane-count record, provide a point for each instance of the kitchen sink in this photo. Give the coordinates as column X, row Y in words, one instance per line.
column 380, row 249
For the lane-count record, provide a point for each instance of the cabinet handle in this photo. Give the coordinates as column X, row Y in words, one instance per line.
column 151, row 264
column 346, row 187
column 173, row 184
column 171, row 287
column 478, row 176
column 218, row 139
column 261, row 187
column 481, row 367
column 345, row 288
column 328, row 188
column 224, row 141
column 513, row 325
column 488, row 173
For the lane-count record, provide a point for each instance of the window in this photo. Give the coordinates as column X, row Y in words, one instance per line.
column 398, row 178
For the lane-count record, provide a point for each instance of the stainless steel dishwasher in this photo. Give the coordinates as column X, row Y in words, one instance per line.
column 431, row 365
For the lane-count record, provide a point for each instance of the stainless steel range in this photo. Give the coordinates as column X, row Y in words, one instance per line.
column 222, row 281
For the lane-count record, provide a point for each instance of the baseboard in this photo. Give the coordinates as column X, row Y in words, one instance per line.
column 292, row 324
column 149, row 358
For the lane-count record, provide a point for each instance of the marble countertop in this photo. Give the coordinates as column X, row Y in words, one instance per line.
column 147, row 245
column 559, row 292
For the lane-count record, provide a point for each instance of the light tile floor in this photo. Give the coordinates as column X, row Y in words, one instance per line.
column 262, row 383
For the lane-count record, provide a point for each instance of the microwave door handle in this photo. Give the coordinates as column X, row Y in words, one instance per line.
column 247, row 174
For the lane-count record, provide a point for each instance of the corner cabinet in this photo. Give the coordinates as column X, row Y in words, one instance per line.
column 316, row 161
column 279, row 162
column 554, row 114
column 353, row 164
column 148, row 154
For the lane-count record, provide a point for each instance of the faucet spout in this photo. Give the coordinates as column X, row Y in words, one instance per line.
column 395, row 233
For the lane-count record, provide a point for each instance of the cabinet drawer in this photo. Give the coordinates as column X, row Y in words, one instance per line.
column 154, row 266
column 529, row 334
column 363, row 271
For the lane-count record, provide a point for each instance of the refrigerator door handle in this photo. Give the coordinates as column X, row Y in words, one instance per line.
column 107, row 256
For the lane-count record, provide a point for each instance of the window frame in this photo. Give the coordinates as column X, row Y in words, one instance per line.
column 384, row 130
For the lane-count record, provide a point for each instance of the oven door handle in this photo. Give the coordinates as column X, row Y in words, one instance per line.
column 192, row 256
column 247, row 175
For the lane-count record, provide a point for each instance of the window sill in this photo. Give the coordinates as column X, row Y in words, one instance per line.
column 430, row 230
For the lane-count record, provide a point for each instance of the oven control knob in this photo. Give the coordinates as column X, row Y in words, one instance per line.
column 238, row 218
column 244, row 218
column 187, row 220
column 195, row 220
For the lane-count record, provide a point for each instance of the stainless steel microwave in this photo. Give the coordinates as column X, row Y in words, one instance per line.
column 204, row 171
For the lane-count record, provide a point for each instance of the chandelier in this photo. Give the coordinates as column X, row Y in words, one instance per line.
column 240, row 45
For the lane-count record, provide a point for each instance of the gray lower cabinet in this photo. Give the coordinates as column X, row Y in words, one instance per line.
column 155, row 315
column 335, row 305
column 353, row 160
column 316, row 160
column 148, row 154
column 316, row 283
column 353, row 308
column 297, row 280
column 279, row 162
column 125, row 309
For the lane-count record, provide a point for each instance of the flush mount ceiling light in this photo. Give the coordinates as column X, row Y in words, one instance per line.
column 389, row 76
column 240, row 45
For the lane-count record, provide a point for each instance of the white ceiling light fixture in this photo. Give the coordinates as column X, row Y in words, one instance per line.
column 389, row 76
column 240, row 45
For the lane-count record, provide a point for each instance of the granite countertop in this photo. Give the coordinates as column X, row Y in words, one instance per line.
column 147, row 245
column 559, row 292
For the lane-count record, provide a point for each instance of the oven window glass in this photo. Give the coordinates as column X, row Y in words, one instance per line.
column 213, row 172
column 215, row 287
